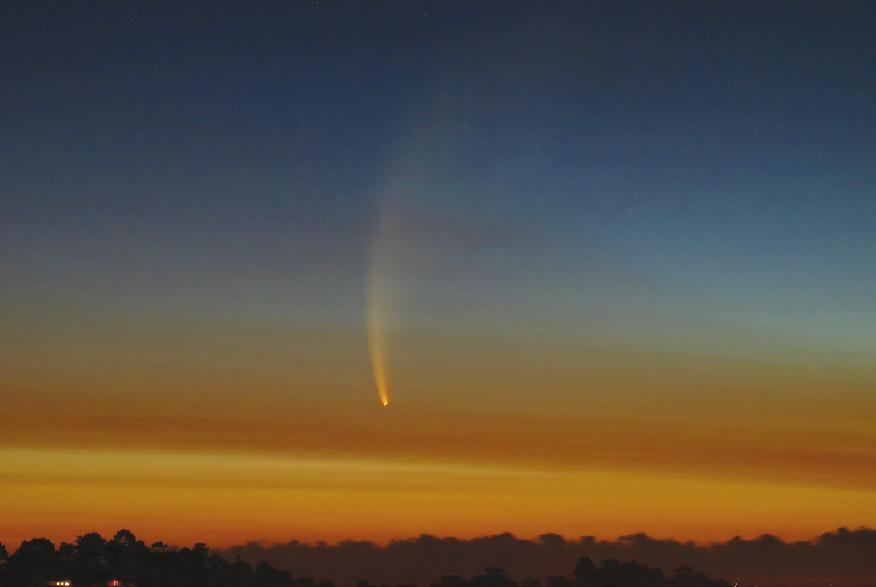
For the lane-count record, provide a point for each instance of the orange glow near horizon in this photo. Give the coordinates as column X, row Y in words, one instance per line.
column 191, row 428
column 229, row 499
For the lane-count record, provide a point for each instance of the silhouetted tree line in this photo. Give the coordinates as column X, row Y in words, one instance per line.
column 609, row 573
column 91, row 560
column 124, row 561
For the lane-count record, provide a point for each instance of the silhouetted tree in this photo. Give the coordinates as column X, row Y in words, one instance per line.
column 628, row 574
column 237, row 573
column 91, row 560
column 32, row 564
column 66, row 554
column 268, row 576
column 124, row 537
column 492, row 577
column 585, row 571
column 689, row 577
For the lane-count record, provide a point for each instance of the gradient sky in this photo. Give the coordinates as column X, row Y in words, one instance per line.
column 625, row 253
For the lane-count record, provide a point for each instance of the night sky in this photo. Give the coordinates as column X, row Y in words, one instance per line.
column 620, row 257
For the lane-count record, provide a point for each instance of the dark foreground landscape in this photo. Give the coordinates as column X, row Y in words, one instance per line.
column 124, row 560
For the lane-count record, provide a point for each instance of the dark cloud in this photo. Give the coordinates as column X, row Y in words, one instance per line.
column 843, row 557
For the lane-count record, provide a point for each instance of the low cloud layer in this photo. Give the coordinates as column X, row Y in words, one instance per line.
column 842, row 557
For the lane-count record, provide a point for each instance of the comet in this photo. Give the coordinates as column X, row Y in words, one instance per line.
column 378, row 309
column 377, row 342
column 390, row 252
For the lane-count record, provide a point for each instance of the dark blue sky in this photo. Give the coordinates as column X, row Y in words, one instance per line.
column 706, row 159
